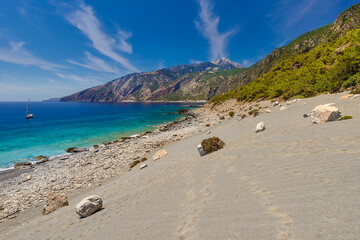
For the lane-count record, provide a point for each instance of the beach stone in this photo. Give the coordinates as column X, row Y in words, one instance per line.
column 207, row 124
column 201, row 150
column 88, row 206
column 143, row 166
column 54, row 201
column 274, row 104
column 325, row 113
column 159, row 154
column 356, row 95
column 346, row 96
column 23, row 165
column 41, row 159
column 268, row 111
column 28, row 176
column 75, row 150
column 260, row 127
column 283, row 108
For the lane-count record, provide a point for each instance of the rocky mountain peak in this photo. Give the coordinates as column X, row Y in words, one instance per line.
column 227, row 64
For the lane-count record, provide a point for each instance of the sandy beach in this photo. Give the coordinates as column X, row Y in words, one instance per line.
column 295, row 180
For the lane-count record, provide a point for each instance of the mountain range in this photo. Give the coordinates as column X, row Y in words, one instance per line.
column 226, row 79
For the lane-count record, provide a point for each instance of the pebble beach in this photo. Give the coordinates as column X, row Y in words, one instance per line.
column 292, row 180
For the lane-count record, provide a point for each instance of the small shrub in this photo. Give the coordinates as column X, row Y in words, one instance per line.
column 212, row 144
column 134, row 163
column 231, row 114
column 254, row 112
column 346, row 117
column 143, row 159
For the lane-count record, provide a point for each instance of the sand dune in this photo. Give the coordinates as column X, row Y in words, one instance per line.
column 295, row 180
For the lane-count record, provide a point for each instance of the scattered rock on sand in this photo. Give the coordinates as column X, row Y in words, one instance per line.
column 159, row 154
column 283, row 108
column 346, row 96
column 28, row 177
column 356, row 95
column 207, row 125
column 54, row 201
column 201, row 150
column 274, row 104
column 268, row 111
column 88, row 206
column 325, row 113
column 143, row 166
column 260, row 127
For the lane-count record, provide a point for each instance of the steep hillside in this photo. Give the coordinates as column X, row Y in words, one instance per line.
column 148, row 86
column 325, row 64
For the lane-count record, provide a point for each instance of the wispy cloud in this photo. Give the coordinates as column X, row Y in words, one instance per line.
column 208, row 26
column 18, row 55
column 95, row 63
column 81, row 79
column 192, row 61
column 286, row 16
column 85, row 20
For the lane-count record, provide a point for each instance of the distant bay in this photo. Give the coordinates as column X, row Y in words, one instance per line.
column 57, row 126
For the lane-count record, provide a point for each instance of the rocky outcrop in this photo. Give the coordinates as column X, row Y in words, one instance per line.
column 88, row 206
column 54, row 201
column 325, row 113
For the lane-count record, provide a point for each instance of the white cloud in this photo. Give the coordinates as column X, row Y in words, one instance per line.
column 95, row 63
column 77, row 78
column 208, row 26
column 18, row 55
column 192, row 61
column 85, row 20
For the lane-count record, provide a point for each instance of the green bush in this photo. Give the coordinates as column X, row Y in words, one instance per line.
column 212, row 144
column 231, row 114
column 352, row 81
column 143, row 159
column 134, row 163
column 346, row 117
column 254, row 112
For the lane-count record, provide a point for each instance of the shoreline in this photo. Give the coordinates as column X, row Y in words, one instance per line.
column 34, row 162
column 12, row 178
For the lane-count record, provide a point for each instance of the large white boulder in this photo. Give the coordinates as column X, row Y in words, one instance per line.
column 325, row 113
column 260, row 127
column 88, row 206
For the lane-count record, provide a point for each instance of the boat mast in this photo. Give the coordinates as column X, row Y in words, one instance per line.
column 27, row 108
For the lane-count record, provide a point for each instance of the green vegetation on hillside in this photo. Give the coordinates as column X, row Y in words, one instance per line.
column 326, row 68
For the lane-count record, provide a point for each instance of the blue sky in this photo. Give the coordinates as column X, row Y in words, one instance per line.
column 54, row 48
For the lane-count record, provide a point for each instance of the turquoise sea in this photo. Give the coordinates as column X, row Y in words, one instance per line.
column 57, row 126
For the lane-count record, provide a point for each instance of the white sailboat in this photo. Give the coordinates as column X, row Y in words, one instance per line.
column 28, row 114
